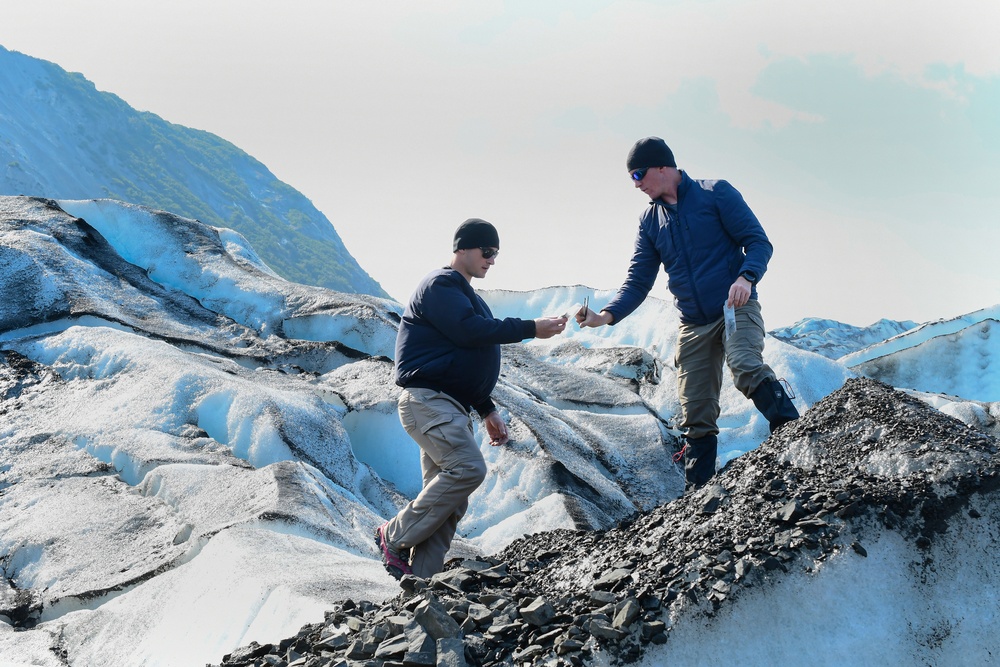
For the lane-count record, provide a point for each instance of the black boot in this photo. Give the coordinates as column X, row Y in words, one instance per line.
column 699, row 461
column 773, row 402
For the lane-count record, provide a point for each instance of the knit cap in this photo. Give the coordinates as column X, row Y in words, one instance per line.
column 650, row 152
column 476, row 233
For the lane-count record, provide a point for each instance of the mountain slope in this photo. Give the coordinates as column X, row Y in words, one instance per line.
column 834, row 339
column 194, row 455
column 866, row 523
column 938, row 357
column 193, row 447
column 61, row 138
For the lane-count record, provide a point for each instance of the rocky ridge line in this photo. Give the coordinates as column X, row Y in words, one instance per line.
column 865, row 458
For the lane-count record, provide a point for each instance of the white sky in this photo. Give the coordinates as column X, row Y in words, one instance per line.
column 863, row 134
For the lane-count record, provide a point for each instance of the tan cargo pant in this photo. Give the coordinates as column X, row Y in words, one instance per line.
column 453, row 467
column 699, row 356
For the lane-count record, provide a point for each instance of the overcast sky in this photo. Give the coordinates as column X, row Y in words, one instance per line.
column 864, row 134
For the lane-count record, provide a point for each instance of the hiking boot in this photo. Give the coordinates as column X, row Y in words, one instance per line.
column 699, row 460
column 774, row 403
column 392, row 559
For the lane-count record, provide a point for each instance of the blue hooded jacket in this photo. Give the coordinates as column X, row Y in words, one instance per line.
column 448, row 340
column 704, row 247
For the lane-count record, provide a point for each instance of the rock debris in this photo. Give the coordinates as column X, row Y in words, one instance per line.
column 866, row 458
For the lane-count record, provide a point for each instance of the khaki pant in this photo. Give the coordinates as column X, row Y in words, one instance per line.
column 700, row 353
column 453, row 467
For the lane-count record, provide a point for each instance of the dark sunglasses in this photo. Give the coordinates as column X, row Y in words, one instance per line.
column 639, row 174
column 489, row 253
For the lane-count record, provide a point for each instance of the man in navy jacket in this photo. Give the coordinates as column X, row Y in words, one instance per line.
column 714, row 252
column 448, row 362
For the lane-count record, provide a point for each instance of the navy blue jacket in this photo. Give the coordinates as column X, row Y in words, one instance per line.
column 448, row 340
column 704, row 247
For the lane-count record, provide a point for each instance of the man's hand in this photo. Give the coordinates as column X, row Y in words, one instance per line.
column 547, row 327
column 496, row 428
column 589, row 318
column 739, row 293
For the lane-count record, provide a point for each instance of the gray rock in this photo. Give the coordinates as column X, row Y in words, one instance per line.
column 790, row 512
column 602, row 597
column 458, row 580
column 603, row 630
column 418, row 639
column 433, row 618
column 538, row 613
column 451, row 653
column 361, row 650
column 480, row 614
column 612, row 579
column 569, row 646
column 627, row 615
column 393, row 647
column 529, row 653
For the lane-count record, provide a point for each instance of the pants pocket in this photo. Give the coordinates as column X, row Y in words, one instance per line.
column 437, row 421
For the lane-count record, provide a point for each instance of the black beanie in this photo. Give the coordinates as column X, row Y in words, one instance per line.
column 650, row 152
column 476, row 233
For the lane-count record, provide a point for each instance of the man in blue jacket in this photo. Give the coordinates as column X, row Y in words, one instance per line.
column 714, row 252
column 448, row 362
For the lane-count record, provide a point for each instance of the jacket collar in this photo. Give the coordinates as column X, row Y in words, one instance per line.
column 682, row 189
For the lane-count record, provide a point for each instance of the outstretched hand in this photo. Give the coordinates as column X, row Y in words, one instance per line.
column 547, row 327
column 588, row 318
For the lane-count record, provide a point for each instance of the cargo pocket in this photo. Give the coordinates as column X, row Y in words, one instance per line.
column 437, row 421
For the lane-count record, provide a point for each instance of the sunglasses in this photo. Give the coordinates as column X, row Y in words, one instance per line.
column 489, row 253
column 639, row 174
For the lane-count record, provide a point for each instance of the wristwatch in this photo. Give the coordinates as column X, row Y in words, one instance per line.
column 749, row 275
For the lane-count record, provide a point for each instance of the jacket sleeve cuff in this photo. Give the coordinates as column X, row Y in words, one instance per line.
column 484, row 408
